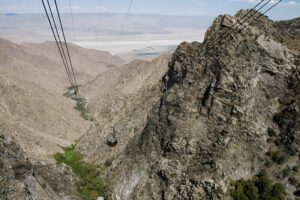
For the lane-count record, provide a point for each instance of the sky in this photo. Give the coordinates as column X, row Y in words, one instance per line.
column 286, row 10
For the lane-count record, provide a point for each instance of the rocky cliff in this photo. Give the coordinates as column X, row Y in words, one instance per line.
column 13, row 169
column 22, row 180
column 226, row 106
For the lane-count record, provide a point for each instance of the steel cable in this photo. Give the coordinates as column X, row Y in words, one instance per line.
column 62, row 29
column 56, row 41
column 72, row 17
column 124, row 22
column 60, row 42
column 262, row 14
column 239, row 20
column 98, row 18
column 242, row 24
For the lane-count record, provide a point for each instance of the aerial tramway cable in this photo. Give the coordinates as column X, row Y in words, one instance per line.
column 262, row 14
column 72, row 18
column 98, row 17
column 223, row 36
column 126, row 17
column 255, row 13
column 60, row 43
column 244, row 21
column 259, row 16
column 56, row 41
column 62, row 30
column 65, row 56
column 239, row 20
column 124, row 22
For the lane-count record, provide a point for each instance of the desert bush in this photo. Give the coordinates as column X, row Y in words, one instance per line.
column 90, row 184
column 81, row 107
column 276, row 157
column 260, row 188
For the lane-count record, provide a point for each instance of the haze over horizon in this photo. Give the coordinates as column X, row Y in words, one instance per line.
column 286, row 10
column 152, row 27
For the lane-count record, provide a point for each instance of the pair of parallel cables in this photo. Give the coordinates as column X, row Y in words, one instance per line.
column 61, row 45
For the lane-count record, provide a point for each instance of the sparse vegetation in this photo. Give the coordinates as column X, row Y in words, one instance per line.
column 81, row 107
column 90, row 185
column 260, row 188
column 293, row 181
column 271, row 132
column 286, row 172
column 108, row 162
column 276, row 156
column 296, row 169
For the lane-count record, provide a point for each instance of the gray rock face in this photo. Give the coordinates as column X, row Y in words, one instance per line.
column 21, row 180
column 211, row 125
column 13, row 169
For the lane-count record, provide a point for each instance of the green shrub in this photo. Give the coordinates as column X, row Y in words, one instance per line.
column 84, row 112
column 278, row 190
column 296, row 169
column 260, row 188
column 244, row 191
column 108, row 162
column 239, row 190
column 276, row 157
column 90, row 185
column 286, row 172
column 293, row 181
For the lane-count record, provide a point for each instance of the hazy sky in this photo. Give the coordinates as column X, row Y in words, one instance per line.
column 287, row 9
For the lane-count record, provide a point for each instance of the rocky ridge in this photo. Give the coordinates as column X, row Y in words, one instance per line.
column 213, row 123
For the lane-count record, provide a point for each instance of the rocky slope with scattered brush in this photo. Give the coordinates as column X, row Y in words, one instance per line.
column 229, row 110
column 13, row 169
column 40, row 120
column 121, row 106
column 30, row 112
column 32, row 84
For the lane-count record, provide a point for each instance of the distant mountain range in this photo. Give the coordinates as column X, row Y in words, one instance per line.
column 10, row 14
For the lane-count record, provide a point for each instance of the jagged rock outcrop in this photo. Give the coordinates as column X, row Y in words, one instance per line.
column 212, row 124
column 13, row 169
column 22, row 180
